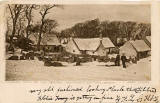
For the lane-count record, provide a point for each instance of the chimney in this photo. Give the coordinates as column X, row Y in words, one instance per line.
column 101, row 37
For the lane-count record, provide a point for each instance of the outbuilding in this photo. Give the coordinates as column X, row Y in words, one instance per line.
column 137, row 48
column 50, row 43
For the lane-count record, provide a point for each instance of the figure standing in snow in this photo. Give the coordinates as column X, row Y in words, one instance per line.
column 123, row 58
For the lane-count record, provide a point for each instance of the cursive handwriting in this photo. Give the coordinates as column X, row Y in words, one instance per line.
column 98, row 93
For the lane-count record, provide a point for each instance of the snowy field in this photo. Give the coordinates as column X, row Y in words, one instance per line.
column 34, row 70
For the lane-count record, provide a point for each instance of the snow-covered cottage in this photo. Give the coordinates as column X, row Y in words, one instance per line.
column 90, row 46
column 137, row 48
column 52, row 44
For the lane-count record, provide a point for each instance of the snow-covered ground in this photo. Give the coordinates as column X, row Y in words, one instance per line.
column 34, row 70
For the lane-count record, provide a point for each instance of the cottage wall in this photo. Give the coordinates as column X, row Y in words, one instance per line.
column 128, row 50
column 53, row 48
column 90, row 52
column 72, row 48
column 101, row 51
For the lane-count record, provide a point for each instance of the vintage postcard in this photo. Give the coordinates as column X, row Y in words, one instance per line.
column 78, row 42
column 52, row 45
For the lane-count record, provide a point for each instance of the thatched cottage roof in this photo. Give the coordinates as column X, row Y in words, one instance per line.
column 107, row 43
column 140, row 45
column 92, row 43
column 87, row 44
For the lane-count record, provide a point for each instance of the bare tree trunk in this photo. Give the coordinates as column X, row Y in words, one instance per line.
column 13, row 32
column 43, row 13
column 28, row 14
column 15, row 12
column 40, row 36
column 27, row 30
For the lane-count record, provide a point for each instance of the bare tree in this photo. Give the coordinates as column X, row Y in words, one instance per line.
column 20, row 26
column 50, row 25
column 43, row 12
column 15, row 12
column 28, row 14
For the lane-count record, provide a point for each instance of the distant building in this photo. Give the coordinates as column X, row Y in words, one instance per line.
column 137, row 48
column 49, row 43
column 52, row 44
column 90, row 46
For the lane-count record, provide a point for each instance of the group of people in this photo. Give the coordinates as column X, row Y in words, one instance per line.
column 122, row 58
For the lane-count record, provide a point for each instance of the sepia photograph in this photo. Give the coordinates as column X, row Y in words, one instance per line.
column 78, row 42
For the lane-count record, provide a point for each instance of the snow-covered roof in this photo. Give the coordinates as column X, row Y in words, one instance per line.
column 87, row 44
column 148, row 38
column 92, row 43
column 140, row 45
column 107, row 43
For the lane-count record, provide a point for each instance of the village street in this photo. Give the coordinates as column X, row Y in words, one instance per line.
column 34, row 70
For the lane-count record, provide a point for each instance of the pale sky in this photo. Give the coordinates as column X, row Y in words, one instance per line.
column 72, row 14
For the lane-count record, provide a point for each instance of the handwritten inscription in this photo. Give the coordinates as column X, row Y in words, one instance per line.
column 100, row 94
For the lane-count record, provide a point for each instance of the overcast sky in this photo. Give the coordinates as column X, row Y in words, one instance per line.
column 72, row 14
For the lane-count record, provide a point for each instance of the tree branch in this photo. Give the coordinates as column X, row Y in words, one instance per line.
column 11, row 11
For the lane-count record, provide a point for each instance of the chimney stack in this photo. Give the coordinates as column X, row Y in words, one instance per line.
column 101, row 37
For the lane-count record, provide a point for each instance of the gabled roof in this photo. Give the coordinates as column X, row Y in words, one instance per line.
column 107, row 43
column 140, row 45
column 148, row 38
column 92, row 43
column 87, row 44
